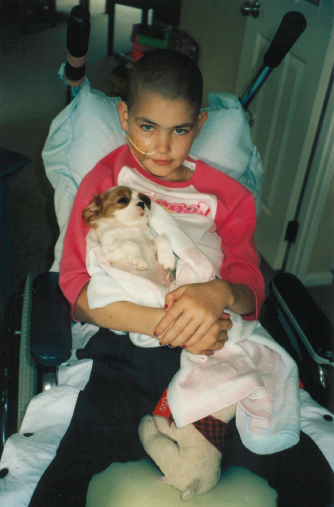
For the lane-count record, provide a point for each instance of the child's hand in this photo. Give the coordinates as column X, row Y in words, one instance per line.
column 213, row 340
column 193, row 312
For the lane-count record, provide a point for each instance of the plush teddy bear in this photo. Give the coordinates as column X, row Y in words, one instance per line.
column 189, row 460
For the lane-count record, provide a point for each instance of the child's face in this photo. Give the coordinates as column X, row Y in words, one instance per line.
column 163, row 128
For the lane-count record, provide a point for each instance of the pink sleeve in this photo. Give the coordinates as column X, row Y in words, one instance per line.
column 241, row 263
column 73, row 273
column 235, row 223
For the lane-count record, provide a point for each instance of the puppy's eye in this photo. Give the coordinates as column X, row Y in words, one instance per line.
column 123, row 200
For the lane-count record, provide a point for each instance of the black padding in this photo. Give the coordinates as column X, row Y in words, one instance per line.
column 310, row 318
column 78, row 30
column 74, row 73
column 50, row 331
column 292, row 26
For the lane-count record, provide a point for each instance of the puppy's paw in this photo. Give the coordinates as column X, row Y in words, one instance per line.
column 167, row 260
column 139, row 263
column 165, row 253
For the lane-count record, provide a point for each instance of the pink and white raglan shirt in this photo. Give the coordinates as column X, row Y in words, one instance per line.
column 216, row 212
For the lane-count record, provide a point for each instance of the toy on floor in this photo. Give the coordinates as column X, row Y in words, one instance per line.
column 189, row 460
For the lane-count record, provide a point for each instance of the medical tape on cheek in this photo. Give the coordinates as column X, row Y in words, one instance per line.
column 137, row 148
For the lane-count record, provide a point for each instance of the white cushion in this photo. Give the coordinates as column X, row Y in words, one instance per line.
column 135, row 484
column 89, row 128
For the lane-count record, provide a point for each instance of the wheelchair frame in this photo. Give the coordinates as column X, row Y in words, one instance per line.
column 31, row 349
column 44, row 341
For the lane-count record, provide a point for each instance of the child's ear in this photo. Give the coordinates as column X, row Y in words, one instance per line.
column 123, row 114
column 202, row 117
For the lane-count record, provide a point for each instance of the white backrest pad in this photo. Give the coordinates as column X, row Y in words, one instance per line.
column 89, row 128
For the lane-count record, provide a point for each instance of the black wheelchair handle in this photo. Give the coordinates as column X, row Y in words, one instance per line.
column 292, row 26
column 78, row 31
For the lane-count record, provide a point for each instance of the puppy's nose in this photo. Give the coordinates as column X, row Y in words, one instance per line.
column 141, row 205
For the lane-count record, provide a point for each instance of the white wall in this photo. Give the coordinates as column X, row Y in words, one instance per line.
column 322, row 256
column 218, row 27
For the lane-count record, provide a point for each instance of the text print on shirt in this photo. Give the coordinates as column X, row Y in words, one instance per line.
column 202, row 208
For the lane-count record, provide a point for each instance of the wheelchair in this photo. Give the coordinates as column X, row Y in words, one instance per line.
column 34, row 346
column 36, row 342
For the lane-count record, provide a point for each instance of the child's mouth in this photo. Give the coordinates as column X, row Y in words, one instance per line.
column 162, row 162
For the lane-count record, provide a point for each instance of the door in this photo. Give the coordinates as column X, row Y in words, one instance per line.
column 287, row 111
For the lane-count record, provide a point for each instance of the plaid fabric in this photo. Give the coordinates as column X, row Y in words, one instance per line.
column 213, row 430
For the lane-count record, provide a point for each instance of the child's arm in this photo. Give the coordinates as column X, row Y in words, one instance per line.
column 130, row 317
column 196, row 310
column 121, row 316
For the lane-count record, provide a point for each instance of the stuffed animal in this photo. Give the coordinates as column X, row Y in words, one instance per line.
column 189, row 460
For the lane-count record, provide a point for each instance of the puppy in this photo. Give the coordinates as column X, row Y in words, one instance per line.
column 120, row 218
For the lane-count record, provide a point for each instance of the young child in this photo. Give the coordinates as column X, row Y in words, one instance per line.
column 161, row 119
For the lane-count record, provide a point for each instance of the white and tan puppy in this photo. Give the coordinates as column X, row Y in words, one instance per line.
column 120, row 218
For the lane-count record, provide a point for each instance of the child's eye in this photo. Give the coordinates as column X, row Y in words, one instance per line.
column 147, row 128
column 180, row 132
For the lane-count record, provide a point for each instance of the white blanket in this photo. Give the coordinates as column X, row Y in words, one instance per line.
column 109, row 284
column 252, row 369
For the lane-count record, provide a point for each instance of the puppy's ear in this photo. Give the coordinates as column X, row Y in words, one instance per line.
column 93, row 210
column 145, row 199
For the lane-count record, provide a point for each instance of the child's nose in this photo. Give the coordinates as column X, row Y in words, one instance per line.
column 163, row 144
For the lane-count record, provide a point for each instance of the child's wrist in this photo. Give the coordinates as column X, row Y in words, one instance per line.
column 232, row 295
column 227, row 293
column 241, row 299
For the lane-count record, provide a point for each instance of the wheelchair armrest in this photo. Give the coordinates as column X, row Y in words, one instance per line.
column 297, row 323
column 304, row 315
column 50, row 330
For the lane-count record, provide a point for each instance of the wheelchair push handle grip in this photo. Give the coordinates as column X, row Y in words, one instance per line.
column 292, row 26
column 78, row 31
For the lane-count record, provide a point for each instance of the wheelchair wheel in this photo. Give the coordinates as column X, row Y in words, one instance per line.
column 18, row 373
column 27, row 383
column 9, row 365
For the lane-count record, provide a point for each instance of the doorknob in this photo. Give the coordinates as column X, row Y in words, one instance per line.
column 251, row 8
